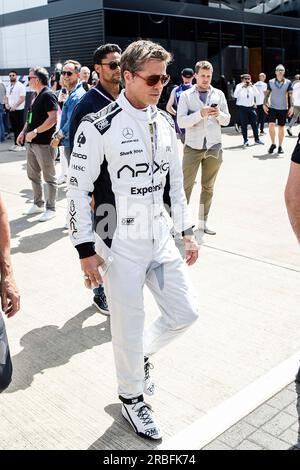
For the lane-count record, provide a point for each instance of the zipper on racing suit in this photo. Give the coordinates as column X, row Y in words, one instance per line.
column 153, row 138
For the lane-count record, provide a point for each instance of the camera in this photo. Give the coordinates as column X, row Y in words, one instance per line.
column 64, row 90
column 213, row 105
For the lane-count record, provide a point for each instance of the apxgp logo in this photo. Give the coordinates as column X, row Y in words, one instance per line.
column 72, row 213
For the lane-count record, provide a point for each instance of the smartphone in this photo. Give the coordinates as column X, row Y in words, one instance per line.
column 213, row 105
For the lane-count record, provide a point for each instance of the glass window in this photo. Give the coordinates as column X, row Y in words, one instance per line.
column 254, row 43
column 274, row 53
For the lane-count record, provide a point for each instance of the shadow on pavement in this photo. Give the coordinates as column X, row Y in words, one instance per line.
column 19, row 225
column 267, row 156
column 236, row 147
column 11, row 157
column 51, row 346
column 28, row 194
column 39, row 241
column 120, row 435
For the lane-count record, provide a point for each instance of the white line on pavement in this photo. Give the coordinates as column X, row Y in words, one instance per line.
column 228, row 413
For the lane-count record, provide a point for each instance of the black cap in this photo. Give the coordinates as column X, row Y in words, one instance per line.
column 187, row 73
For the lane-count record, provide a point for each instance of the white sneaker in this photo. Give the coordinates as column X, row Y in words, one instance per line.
column 12, row 148
column 140, row 415
column 149, row 385
column 19, row 148
column 47, row 215
column 209, row 230
column 61, row 179
column 34, row 209
column 203, row 227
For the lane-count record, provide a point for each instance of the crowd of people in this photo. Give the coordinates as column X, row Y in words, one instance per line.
column 115, row 144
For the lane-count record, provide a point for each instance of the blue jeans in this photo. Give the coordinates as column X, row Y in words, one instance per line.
column 2, row 128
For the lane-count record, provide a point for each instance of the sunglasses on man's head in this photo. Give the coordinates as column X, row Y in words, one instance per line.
column 154, row 79
column 66, row 72
column 112, row 64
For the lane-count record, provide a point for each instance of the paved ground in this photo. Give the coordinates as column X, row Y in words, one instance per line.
column 63, row 393
column 272, row 426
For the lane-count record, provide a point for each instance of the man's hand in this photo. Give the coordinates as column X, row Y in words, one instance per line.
column 214, row 111
column 30, row 136
column 55, row 142
column 191, row 249
column 291, row 111
column 56, row 138
column 12, row 109
column 20, row 139
column 266, row 108
column 89, row 266
column 10, row 297
column 205, row 111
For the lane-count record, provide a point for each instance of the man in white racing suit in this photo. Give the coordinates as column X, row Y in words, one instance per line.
column 126, row 156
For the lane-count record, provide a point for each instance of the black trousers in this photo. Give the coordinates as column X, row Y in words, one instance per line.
column 248, row 116
column 261, row 117
column 17, row 122
column 5, row 360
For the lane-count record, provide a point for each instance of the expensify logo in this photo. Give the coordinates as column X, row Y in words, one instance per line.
column 145, row 190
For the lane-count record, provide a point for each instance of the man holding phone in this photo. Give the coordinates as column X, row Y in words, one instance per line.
column 246, row 95
column 202, row 110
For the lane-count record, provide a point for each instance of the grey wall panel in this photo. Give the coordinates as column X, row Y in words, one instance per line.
column 76, row 36
column 51, row 10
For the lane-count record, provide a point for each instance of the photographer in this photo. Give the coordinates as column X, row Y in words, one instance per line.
column 245, row 94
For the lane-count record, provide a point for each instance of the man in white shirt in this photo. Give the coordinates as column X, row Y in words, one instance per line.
column 15, row 103
column 296, row 98
column 2, row 111
column 261, row 86
column 246, row 94
column 202, row 110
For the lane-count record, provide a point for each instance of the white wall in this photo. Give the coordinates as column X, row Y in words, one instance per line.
column 7, row 6
column 24, row 45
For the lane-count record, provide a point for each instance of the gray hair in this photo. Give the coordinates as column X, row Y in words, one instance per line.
column 139, row 52
column 41, row 74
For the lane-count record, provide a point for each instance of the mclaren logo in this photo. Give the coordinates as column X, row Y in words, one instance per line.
column 127, row 133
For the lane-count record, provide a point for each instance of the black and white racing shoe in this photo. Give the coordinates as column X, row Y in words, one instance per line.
column 140, row 415
column 149, row 386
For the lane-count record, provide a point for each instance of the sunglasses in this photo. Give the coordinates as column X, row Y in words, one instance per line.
column 154, row 79
column 112, row 65
column 66, row 72
column 29, row 78
column 12, row 76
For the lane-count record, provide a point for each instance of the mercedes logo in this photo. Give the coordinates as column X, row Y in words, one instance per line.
column 128, row 133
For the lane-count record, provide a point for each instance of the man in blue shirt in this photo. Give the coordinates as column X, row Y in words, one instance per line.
column 187, row 76
column 107, row 65
column 70, row 73
column 281, row 105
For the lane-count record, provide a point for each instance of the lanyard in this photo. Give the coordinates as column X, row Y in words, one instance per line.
column 103, row 95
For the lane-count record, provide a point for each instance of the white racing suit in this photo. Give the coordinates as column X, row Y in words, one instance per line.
column 128, row 159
